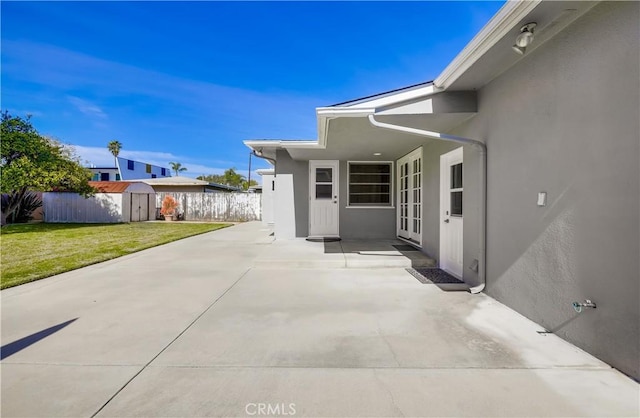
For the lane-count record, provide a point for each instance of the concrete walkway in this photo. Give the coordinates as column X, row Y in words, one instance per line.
column 207, row 326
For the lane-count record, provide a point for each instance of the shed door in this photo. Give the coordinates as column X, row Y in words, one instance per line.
column 138, row 201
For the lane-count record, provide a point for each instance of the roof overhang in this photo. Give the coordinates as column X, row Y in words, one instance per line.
column 452, row 93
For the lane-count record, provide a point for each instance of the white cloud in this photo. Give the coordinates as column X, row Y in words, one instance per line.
column 245, row 113
column 87, row 108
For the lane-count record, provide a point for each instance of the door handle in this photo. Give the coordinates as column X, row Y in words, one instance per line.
column 446, row 221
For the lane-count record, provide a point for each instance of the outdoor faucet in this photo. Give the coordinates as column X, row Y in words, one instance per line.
column 577, row 306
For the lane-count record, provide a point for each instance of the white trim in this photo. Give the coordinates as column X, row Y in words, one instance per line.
column 391, row 98
column 498, row 27
column 448, row 159
column 391, row 188
column 335, row 164
column 345, row 111
column 408, row 241
column 410, row 157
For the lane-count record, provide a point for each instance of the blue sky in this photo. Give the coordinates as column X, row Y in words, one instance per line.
column 188, row 81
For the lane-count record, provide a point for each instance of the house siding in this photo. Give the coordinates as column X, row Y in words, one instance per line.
column 139, row 170
column 564, row 120
column 431, row 196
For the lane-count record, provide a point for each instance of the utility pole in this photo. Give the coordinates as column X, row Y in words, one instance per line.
column 249, row 176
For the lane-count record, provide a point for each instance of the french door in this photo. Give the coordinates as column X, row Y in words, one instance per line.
column 409, row 170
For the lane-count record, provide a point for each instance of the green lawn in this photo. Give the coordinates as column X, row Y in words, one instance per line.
column 34, row 251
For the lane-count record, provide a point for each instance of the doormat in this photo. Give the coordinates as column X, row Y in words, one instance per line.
column 433, row 276
column 405, row 247
column 324, row 239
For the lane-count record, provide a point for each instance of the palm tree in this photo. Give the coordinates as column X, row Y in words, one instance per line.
column 231, row 178
column 177, row 167
column 114, row 148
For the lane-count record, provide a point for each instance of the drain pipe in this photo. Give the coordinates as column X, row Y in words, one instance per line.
column 271, row 160
column 482, row 148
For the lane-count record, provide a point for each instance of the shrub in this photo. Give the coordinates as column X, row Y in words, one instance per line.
column 169, row 206
column 18, row 206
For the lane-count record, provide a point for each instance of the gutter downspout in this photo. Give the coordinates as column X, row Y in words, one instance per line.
column 482, row 149
column 271, row 160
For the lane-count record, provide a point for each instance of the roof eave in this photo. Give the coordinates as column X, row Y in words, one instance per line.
column 498, row 27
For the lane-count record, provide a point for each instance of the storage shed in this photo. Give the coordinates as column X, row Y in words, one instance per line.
column 116, row 201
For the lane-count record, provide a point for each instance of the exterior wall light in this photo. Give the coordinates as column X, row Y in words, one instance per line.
column 524, row 39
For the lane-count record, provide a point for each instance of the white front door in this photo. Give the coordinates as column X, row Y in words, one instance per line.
column 323, row 198
column 451, row 209
column 410, row 196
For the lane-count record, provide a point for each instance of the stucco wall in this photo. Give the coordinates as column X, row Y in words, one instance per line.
column 365, row 223
column 431, row 195
column 300, row 190
column 354, row 223
column 564, row 120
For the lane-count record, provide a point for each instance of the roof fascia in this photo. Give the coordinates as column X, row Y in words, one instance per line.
column 498, row 27
column 393, row 98
column 278, row 143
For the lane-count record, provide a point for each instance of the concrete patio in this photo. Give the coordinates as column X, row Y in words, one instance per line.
column 229, row 322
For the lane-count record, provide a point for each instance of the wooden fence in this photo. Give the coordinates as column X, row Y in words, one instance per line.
column 228, row 207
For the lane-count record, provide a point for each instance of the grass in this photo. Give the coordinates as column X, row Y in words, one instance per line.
column 35, row 251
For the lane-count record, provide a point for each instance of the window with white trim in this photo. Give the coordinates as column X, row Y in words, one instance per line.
column 370, row 184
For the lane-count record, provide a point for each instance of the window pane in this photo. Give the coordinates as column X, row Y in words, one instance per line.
column 370, row 184
column 368, row 199
column 324, row 175
column 456, row 203
column 369, row 178
column 371, row 168
column 323, row 191
column 456, row 176
column 369, row 188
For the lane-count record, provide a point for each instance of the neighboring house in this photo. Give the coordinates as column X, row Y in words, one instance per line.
column 557, row 220
column 187, row 184
column 115, row 201
column 129, row 170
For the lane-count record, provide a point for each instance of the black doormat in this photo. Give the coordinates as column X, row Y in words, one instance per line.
column 404, row 247
column 433, row 276
column 324, row 239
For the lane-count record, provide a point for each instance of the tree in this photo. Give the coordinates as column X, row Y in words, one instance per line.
column 28, row 159
column 114, row 148
column 212, row 178
column 231, row 178
column 177, row 167
column 247, row 184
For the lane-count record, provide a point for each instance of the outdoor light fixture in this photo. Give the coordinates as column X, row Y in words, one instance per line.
column 377, row 154
column 525, row 38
